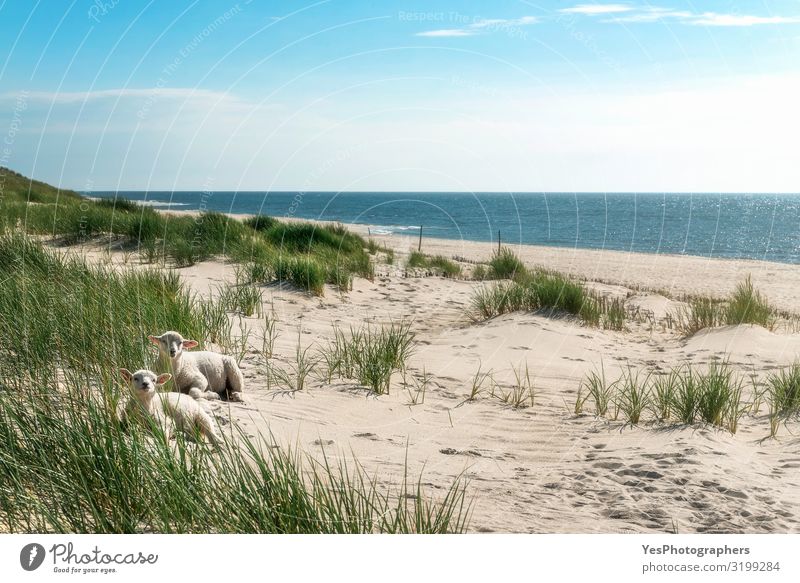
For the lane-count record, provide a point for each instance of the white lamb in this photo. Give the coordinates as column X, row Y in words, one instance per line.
column 168, row 409
column 201, row 374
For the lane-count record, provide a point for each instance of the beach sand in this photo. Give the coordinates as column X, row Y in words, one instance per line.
column 539, row 469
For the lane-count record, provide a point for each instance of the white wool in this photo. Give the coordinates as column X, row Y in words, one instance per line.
column 201, row 374
column 168, row 409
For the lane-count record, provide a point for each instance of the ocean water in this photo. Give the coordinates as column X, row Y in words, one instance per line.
column 754, row 226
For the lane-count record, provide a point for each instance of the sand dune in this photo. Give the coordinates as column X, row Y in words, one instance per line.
column 539, row 469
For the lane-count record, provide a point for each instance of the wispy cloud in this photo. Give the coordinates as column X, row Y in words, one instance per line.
column 629, row 13
column 482, row 26
column 161, row 92
column 448, row 32
column 591, row 9
column 652, row 14
column 714, row 19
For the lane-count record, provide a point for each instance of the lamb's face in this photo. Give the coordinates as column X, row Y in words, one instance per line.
column 172, row 344
column 144, row 382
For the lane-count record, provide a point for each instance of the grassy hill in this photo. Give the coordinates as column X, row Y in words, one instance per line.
column 18, row 188
column 304, row 254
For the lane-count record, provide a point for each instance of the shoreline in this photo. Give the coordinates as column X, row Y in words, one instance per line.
column 670, row 275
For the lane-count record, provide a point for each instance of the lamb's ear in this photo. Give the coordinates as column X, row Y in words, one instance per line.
column 163, row 378
column 126, row 374
column 187, row 344
column 154, row 339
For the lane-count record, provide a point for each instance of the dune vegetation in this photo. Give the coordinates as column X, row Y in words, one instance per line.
column 745, row 305
column 685, row 395
column 541, row 289
column 67, row 465
column 305, row 255
column 68, row 326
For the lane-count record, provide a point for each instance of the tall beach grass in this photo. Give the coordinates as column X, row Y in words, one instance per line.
column 69, row 466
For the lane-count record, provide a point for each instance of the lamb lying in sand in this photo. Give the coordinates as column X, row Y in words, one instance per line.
column 168, row 409
column 200, row 374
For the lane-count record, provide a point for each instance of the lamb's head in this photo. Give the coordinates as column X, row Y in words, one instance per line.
column 144, row 382
column 171, row 344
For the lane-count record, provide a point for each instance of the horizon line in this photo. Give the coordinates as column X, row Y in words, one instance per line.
column 289, row 190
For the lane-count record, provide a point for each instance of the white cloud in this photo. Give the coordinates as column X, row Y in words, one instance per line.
column 698, row 135
column 482, row 25
column 590, row 9
column 160, row 92
column 644, row 14
column 652, row 14
column 714, row 19
column 504, row 22
column 448, row 32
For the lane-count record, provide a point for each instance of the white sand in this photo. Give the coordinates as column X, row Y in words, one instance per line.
column 540, row 469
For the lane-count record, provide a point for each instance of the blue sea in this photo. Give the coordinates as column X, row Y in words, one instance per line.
column 754, row 226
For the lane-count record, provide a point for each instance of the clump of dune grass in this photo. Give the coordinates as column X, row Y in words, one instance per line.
column 260, row 223
column 445, row 267
column 62, row 311
column 747, row 306
column 437, row 264
column 613, row 314
column 720, row 395
column 302, row 271
column 369, row 355
column 478, row 381
column 701, row 313
column 683, row 395
column 633, row 395
column 687, row 397
column 545, row 290
column 663, row 390
column 388, row 255
column 598, row 389
column 299, row 370
column 255, row 272
column 245, row 299
column 521, row 394
column 183, row 254
column 418, row 387
column 783, row 396
column 505, row 265
column 269, row 334
column 416, row 259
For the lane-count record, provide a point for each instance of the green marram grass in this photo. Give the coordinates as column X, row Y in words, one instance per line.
column 783, row 396
column 368, row 354
column 68, row 466
column 745, row 305
column 682, row 395
column 505, row 265
column 548, row 291
column 438, row 264
column 304, row 255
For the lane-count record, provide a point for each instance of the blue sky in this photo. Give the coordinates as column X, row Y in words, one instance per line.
column 421, row 95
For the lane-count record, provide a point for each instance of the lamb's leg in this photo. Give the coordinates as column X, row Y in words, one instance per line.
column 167, row 426
column 207, row 428
column 234, row 381
column 197, row 394
column 199, row 389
